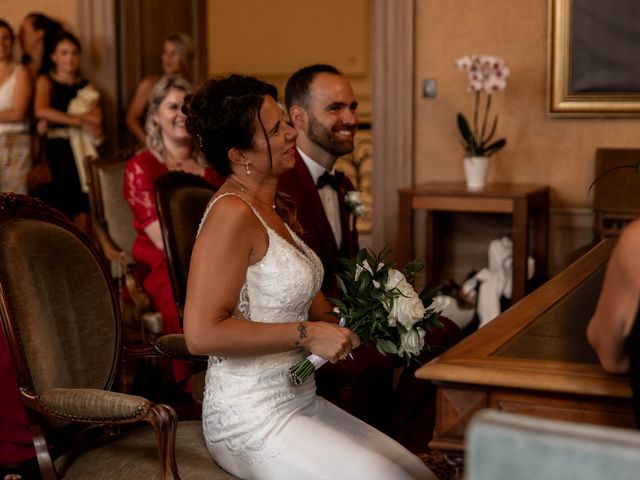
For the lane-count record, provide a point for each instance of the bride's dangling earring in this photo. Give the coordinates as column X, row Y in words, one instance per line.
column 246, row 169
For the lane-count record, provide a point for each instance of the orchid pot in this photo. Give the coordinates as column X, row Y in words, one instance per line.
column 476, row 169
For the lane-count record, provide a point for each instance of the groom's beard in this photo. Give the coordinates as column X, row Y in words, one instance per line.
column 329, row 139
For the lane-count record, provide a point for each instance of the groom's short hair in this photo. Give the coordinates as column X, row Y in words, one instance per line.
column 296, row 92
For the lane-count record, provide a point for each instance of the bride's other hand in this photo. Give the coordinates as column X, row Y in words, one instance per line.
column 328, row 340
column 320, row 312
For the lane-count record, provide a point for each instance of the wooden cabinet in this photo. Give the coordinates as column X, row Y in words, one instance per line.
column 533, row 359
column 528, row 206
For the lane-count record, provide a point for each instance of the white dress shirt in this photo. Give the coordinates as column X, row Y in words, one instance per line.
column 328, row 196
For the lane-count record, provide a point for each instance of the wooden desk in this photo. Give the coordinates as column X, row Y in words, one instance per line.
column 533, row 359
column 523, row 202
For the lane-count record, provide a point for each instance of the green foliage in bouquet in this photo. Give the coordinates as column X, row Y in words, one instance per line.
column 381, row 307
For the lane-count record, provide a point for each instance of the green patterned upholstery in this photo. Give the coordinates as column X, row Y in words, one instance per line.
column 61, row 303
column 91, row 405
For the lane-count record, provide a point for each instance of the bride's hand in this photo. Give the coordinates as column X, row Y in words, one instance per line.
column 330, row 341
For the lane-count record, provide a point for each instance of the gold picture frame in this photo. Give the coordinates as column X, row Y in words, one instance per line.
column 562, row 99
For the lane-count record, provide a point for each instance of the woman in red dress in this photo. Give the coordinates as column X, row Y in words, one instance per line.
column 169, row 147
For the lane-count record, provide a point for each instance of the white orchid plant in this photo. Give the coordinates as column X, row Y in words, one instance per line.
column 487, row 74
column 381, row 307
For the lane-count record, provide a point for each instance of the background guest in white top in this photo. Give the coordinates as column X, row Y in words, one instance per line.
column 15, row 97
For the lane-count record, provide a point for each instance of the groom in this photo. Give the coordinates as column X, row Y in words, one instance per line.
column 322, row 109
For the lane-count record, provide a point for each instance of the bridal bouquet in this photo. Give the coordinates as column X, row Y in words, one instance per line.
column 381, row 307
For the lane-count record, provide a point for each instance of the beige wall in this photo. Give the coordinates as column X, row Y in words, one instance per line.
column 280, row 36
column 558, row 152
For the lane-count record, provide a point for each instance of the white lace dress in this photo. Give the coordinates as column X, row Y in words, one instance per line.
column 259, row 426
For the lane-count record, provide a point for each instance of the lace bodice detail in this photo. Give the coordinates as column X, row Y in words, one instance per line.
column 245, row 398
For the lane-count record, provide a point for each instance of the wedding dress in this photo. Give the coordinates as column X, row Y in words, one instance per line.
column 257, row 425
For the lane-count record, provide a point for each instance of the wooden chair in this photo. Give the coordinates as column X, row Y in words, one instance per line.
column 507, row 446
column 181, row 199
column 113, row 228
column 615, row 196
column 59, row 311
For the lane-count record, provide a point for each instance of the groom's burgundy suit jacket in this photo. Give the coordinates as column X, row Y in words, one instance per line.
column 362, row 386
column 317, row 233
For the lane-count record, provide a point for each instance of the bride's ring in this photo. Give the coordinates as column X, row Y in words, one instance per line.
column 342, row 356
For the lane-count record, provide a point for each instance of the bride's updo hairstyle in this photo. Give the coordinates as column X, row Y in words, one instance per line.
column 221, row 115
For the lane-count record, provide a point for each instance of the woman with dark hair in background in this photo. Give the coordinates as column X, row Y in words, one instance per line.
column 169, row 147
column 37, row 35
column 254, row 306
column 66, row 101
column 175, row 59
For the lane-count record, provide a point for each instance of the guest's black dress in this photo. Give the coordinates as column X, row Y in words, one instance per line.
column 632, row 345
column 64, row 191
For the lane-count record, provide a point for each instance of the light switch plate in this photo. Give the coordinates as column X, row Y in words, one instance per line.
column 429, row 88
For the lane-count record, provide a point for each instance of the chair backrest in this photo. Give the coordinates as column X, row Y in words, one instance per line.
column 181, row 199
column 58, row 306
column 615, row 199
column 505, row 446
column 108, row 205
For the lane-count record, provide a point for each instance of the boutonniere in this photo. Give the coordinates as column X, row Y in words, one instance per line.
column 354, row 203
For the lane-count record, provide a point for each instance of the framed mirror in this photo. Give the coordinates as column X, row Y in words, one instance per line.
column 593, row 58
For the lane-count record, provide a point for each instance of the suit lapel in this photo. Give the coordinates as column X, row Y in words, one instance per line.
column 349, row 246
column 313, row 208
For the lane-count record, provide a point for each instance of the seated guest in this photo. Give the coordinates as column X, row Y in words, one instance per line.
column 169, row 147
column 177, row 53
column 614, row 331
column 615, row 314
column 15, row 97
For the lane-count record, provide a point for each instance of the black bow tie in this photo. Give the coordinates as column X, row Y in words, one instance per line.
column 332, row 180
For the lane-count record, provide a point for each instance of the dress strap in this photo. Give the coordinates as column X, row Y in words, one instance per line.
column 226, row 194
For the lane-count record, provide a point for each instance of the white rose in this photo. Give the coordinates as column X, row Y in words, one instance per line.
column 353, row 196
column 406, row 309
column 412, row 341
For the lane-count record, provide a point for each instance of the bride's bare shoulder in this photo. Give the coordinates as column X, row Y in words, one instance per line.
column 229, row 211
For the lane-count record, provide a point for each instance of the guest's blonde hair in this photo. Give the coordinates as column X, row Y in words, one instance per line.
column 158, row 93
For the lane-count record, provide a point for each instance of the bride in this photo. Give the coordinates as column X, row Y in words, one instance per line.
column 253, row 305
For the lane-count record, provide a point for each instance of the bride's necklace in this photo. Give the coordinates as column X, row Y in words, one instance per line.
column 244, row 189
